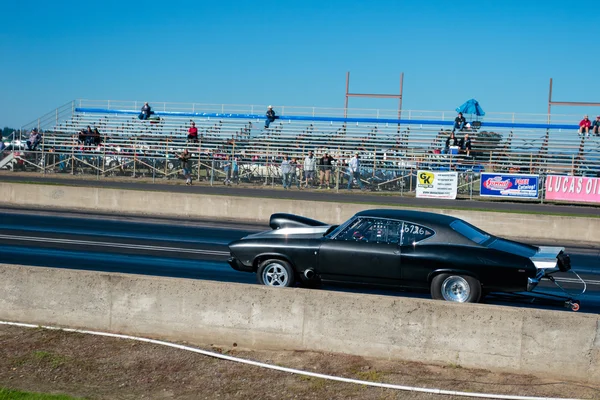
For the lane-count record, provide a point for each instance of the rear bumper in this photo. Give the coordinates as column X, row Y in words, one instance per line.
column 238, row 266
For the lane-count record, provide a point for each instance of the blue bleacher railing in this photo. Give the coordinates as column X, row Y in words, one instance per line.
column 484, row 125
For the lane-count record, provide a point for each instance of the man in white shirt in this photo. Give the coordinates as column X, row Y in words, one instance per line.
column 354, row 171
column 310, row 165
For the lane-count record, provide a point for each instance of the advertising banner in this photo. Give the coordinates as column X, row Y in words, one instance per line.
column 578, row 189
column 509, row 185
column 438, row 185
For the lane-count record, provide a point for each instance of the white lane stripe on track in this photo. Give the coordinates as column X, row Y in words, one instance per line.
column 573, row 280
column 115, row 245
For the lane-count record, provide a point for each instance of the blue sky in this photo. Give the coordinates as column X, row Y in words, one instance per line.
column 296, row 53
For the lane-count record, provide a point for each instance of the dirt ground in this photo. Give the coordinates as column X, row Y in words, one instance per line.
column 105, row 368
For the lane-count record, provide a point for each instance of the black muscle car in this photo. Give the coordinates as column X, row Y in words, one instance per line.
column 400, row 248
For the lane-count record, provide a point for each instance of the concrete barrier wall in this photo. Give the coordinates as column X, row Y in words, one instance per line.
column 559, row 344
column 251, row 209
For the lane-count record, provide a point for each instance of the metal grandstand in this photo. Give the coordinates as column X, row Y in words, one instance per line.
column 391, row 148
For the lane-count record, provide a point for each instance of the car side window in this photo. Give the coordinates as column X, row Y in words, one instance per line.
column 372, row 230
column 414, row 233
column 357, row 231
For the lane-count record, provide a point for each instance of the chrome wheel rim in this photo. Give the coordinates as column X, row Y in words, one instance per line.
column 275, row 274
column 456, row 288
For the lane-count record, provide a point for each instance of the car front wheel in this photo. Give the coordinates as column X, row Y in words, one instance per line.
column 276, row 273
column 458, row 288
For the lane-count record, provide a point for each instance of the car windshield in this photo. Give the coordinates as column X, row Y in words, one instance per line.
column 338, row 229
column 469, row 231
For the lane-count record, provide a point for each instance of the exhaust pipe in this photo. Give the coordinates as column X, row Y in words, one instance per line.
column 309, row 274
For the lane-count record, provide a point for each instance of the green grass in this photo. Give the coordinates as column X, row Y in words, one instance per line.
column 8, row 394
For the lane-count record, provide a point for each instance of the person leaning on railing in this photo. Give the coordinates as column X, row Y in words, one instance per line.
column 310, row 165
column 325, row 166
column 286, row 172
column 354, row 171
column 294, row 167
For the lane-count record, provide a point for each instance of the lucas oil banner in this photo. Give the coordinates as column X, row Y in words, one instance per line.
column 509, row 185
column 438, row 185
column 576, row 189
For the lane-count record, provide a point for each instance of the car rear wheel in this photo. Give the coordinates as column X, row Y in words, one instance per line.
column 276, row 273
column 457, row 288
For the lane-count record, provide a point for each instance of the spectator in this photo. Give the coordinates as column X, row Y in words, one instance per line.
column 193, row 133
column 310, row 164
column 459, row 122
column 34, row 140
column 270, row 116
column 286, row 172
column 96, row 138
column 227, row 170
column 184, row 159
column 146, row 112
column 88, row 136
column 451, row 141
column 596, row 126
column 235, row 170
column 325, row 165
column 294, row 172
column 584, row 126
column 354, row 171
column 465, row 144
column 81, row 137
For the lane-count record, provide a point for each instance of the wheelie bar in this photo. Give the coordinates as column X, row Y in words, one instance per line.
column 572, row 304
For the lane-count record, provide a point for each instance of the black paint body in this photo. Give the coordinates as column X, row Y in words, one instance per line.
column 500, row 265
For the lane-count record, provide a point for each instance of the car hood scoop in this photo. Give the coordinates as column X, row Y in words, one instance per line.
column 308, row 232
column 281, row 220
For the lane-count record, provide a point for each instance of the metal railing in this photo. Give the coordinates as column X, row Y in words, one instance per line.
column 283, row 110
column 158, row 161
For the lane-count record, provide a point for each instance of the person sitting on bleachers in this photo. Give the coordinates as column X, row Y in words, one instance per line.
column 270, row 116
column 89, row 136
column 451, row 141
column 193, row 133
column 596, row 126
column 584, row 126
column 34, row 140
column 146, row 111
column 81, row 137
column 96, row 138
column 459, row 122
column 465, row 144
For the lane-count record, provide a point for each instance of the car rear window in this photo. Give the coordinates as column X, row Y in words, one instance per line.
column 469, row 231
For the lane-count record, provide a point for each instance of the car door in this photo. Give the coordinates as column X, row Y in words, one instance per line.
column 416, row 258
column 366, row 251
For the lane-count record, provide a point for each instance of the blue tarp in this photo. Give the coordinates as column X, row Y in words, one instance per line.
column 471, row 107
